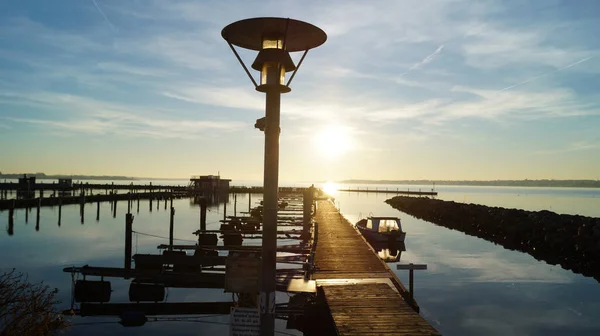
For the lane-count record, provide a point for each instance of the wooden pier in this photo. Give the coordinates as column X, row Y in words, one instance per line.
column 396, row 191
column 363, row 295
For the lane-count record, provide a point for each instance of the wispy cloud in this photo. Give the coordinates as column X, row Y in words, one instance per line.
column 547, row 73
column 425, row 60
column 112, row 26
column 97, row 117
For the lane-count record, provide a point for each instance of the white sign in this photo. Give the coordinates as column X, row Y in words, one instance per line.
column 244, row 322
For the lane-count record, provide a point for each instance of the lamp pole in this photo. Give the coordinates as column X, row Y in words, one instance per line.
column 270, row 208
column 274, row 39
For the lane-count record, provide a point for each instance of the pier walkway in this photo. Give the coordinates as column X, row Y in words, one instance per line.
column 363, row 295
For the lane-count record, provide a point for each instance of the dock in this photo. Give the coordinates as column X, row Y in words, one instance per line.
column 363, row 295
column 396, row 191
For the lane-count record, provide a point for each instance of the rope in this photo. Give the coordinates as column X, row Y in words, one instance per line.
column 156, row 236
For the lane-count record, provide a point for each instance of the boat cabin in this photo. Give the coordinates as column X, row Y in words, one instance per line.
column 382, row 224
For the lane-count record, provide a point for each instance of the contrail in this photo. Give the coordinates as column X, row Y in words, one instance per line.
column 425, row 60
column 547, row 73
column 105, row 17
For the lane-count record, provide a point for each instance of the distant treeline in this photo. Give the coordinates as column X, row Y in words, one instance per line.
column 74, row 177
column 494, row 183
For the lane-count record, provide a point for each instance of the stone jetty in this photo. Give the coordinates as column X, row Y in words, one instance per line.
column 571, row 241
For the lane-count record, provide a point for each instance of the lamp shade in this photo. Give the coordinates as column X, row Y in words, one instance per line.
column 298, row 35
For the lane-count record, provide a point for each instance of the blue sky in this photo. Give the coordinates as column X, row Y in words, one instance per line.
column 447, row 89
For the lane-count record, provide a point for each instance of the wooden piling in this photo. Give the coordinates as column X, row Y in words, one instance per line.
column 128, row 234
column 234, row 205
column 82, row 212
column 138, row 203
column 59, row 209
column 171, row 227
column 27, row 214
column 115, row 208
column 11, row 219
column 165, row 198
column 307, row 200
column 249, row 202
column 225, row 208
column 97, row 211
column 150, row 202
column 203, row 204
column 37, row 212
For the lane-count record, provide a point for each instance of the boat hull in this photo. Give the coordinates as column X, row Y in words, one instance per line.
column 394, row 236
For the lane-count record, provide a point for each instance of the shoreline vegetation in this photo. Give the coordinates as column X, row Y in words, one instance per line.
column 488, row 183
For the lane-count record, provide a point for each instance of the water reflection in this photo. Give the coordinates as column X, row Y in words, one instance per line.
column 388, row 251
column 473, row 287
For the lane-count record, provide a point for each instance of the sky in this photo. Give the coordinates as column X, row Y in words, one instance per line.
column 446, row 89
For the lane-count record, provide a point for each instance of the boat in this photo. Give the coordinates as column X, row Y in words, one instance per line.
column 381, row 229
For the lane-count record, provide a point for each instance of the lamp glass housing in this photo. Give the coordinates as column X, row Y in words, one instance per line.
column 272, row 73
column 272, row 43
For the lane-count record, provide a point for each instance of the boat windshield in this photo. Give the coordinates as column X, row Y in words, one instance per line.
column 387, row 225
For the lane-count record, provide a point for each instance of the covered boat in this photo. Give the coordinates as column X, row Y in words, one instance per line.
column 381, row 229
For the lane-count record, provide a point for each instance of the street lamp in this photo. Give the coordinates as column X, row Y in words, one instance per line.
column 274, row 39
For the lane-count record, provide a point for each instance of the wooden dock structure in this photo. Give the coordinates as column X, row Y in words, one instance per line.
column 363, row 295
column 396, row 191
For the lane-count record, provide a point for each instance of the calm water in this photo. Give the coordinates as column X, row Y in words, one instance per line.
column 471, row 287
column 474, row 287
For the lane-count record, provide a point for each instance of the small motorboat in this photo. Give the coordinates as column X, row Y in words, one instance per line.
column 381, row 229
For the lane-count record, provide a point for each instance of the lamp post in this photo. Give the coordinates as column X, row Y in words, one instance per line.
column 274, row 39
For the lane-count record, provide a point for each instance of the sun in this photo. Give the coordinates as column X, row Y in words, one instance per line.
column 333, row 141
column 330, row 188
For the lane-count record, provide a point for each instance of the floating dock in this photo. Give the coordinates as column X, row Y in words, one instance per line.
column 362, row 293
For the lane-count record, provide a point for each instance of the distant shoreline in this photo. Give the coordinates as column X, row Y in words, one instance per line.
column 83, row 177
column 490, row 183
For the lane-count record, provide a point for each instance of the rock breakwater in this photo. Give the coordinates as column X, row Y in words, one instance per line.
column 571, row 241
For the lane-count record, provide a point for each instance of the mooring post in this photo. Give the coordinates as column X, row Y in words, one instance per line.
column 225, row 208
column 249, row 202
column 81, row 212
column 203, row 203
column 11, row 212
column 234, row 205
column 157, row 203
column 165, row 198
column 171, row 225
column 97, row 211
column 129, row 202
column 26, row 213
column 411, row 276
column 39, row 205
column 306, row 213
column 115, row 208
column 59, row 209
column 138, row 203
column 150, row 201
column 171, row 201
column 11, row 219
column 128, row 234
